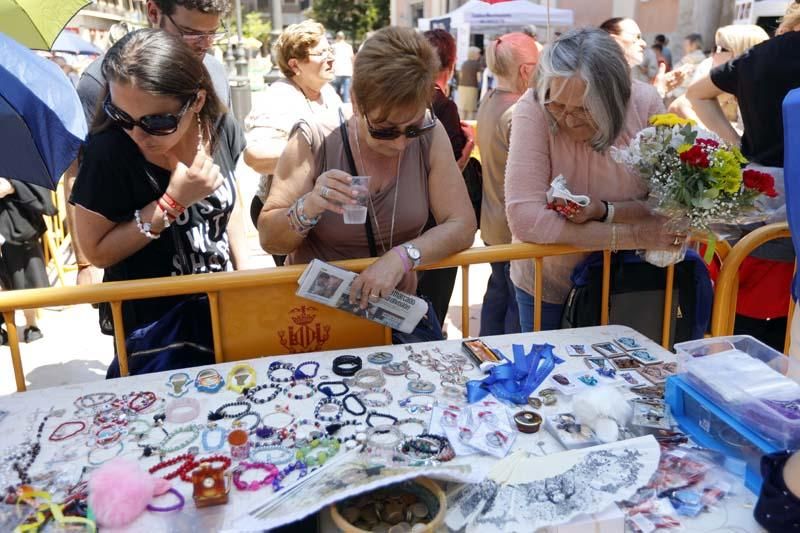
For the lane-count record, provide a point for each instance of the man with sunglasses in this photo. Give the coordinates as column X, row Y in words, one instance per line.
column 199, row 23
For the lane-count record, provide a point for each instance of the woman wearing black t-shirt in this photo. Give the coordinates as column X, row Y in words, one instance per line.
column 156, row 192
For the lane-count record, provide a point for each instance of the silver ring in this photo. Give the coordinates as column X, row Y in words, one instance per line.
column 374, row 297
column 677, row 241
column 323, row 191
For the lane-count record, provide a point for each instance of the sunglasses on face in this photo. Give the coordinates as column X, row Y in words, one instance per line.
column 164, row 124
column 411, row 132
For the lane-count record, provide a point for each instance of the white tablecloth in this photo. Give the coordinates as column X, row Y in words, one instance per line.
column 69, row 457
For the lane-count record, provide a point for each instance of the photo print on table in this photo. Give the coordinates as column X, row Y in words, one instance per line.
column 578, row 350
column 608, row 349
column 644, row 357
column 628, row 343
column 657, row 374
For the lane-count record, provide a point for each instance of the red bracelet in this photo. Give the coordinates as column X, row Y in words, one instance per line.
column 399, row 250
column 186, row 470
column 165, row 208
column 172, row 203
column 186, row 459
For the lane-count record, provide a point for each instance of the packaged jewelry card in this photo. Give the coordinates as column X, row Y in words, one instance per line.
column 651, row 414
column 569, row 432
column 626, row 363
column 598, row 362
column 493, row 440
column 564, row 383
column 578, row 350
column 445, row 420
column 657, row 374
column 628, row 343
column 631, row 378
column 608, row 349
column 644, row 357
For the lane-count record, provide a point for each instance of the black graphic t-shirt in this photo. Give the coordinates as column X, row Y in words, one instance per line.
column 114, row 180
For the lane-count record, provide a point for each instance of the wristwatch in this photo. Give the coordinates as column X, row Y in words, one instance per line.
column 413, row 253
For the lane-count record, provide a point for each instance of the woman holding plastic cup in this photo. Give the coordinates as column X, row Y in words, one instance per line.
column 396, row 141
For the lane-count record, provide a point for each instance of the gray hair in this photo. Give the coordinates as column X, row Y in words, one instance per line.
column 473, row 52
column 594, row 56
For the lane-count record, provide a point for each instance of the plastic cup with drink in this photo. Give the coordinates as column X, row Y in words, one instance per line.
column 357, row 213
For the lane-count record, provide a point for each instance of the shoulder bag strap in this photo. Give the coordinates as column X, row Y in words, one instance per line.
column 373, row 250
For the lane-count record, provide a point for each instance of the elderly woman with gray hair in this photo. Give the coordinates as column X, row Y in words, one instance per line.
column 583, row 103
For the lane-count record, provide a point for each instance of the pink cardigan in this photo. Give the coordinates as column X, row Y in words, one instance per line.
column 536, row 156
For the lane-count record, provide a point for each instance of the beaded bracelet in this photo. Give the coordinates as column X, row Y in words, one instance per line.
column 349, row 440
column 60, row 432
column 93, row 462
column 358, row 401
column 325, row 388
column 237, row 422
column 374, row 443
column 213, row 428
column 138, row 433
column 186, row 458
column 315, row 433
column 107, row 435
column 297, row 385
column 192, row 429
column 375, row 414
column 244, row 466
column 318, row 451
column 275, row 366
column 367, row 378
column 219, row 413
column 281, row 455
column 407, row 421
column 298, row 465
column 139, row 402
column 346, row 365
column 94, row 399
column 322, row 408
column 250, row 393
column 208, row 380
column 364, row 396
column 429, row 446
column 185, row 471
column 299, row 374
column 412, row 406
column 241, row 376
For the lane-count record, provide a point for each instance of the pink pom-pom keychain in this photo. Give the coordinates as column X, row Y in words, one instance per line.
column 120, row 491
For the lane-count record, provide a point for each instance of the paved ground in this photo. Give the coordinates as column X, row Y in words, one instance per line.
column 73, row 349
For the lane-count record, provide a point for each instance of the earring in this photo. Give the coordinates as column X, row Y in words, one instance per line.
column 199, row 133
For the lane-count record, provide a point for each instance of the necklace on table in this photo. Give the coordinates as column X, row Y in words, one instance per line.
column 372, row 206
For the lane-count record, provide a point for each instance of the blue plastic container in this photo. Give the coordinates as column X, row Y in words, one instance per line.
column 713, row 428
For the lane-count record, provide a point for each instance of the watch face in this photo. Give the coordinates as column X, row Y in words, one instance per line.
column 413, row 252
column 208, row 482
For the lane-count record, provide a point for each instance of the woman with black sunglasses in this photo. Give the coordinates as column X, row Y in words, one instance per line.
column 156, row 193
column 395, row 139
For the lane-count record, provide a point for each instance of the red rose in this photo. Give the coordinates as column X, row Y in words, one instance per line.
column 760, row 181
column 711, row 143
column 695, row 156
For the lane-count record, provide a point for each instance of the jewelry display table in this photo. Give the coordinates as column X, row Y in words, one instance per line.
column 61, row 462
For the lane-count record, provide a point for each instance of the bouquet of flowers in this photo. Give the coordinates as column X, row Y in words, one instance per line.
column 695, row 180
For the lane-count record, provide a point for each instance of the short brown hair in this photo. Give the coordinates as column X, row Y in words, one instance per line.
column 295, row 42
column 394, row 69
column 212, row 7
column 445, row 46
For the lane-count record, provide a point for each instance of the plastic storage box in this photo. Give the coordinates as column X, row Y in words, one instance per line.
column 745, row 381
column 713, row 428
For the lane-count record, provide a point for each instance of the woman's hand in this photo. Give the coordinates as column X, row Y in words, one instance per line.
column 577, row 214
column 378, row 280
column 6, row 188
column 331, row 190
column 653, row 234
column 188, row 186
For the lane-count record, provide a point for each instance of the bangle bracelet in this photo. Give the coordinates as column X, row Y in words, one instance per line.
column 356, row 399
column 346, row 365
column 241, row 376
column 172, row 203
column 276, row 366
column 391, row 437
column 367, row 378
column 178, row 384
column 182, row 410
column 177, row 507
column 401, row 252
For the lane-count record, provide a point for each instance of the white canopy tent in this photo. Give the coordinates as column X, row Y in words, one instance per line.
column 479, row 15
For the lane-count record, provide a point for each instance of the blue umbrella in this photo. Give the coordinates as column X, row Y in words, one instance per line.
column 73, row 43
column 42, row 125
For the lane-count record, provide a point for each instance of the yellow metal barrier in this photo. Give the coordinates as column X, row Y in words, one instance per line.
column 727, row 286
column 256, row 313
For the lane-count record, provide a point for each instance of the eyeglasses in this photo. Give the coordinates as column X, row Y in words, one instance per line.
column 560, row 111
column 721, row 50
column 158, row 125
column 322, row 53
column 411, row 132
column 188, row 34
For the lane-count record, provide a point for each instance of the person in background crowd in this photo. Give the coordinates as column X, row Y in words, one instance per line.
column 396, row 141
column 342, row 66
column 306, row 59
column 641, row 60
column 778, row 505
column 584, row 102
column 665, row 51
column 513, row 58
column 198, row 23
column 437, row 285
column 730, row 42
column 22, row 207
column 156, row 193
column 683, row 73
column 760, row 79
column 531, row 31
column 66, row 68
column 469, row 78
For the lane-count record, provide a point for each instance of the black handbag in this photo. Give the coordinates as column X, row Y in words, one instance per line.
column 428, row 329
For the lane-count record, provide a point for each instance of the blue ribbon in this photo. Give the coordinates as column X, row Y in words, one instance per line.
column 515, row 381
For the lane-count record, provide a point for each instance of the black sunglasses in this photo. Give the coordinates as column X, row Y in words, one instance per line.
column 158, row 125
column 411, row 132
